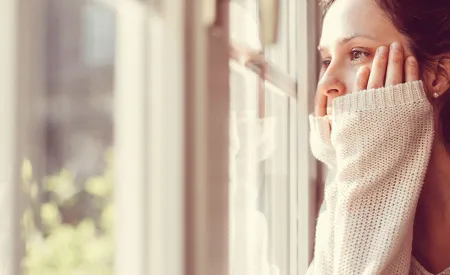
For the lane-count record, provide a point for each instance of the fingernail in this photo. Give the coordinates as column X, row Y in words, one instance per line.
column 396, row 46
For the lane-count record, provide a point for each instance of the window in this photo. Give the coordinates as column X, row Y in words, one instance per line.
column 271, row 199
column 156, row 137
column 86, row 137
column 68, row 153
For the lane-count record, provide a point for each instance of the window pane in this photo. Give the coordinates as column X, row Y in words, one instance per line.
column 249, row 251
column 244, row 30
column 260, row 175
column 68, row 221
column 278, row 54
column 275, row 199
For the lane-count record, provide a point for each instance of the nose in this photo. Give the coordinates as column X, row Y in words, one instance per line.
column 331, row 87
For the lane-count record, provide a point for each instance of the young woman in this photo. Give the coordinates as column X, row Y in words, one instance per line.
column 382, row 123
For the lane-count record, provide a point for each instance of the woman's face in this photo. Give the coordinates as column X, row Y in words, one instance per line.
column 352, row 31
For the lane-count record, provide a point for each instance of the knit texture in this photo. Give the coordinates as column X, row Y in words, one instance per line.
column 418, row 269
column 379, row 146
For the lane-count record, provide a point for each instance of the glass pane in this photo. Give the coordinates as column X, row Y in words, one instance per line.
column 248, row 226
column 68, row 222
column 244, row 28
column 259, row 161
column 292, row 35
column 259, row 177
column 278, row 54
column 244, row 32
column 275, row 199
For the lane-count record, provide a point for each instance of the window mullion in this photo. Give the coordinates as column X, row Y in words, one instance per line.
column 306, row 42
column 129, row 130
column 292, row 36
column 293, row 188
column 206, row 167
column 21, row 63
column 9, row 147
column 166, row 133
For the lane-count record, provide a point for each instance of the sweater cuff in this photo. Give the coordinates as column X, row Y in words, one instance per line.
column 320, row 126
column 390, row 96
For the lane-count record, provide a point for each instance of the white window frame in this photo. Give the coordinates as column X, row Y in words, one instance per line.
column 22, row 56
column 148, row 222
column 307, row 73
column 129, row 134
column 146, row 217
column 207, row 146
column 9, row 147
column 165, row 117
column 149, row 134
column 303, row 27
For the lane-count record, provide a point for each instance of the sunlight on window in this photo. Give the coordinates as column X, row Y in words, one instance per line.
column 260, row 155
column 67, row 226
column 55, row 245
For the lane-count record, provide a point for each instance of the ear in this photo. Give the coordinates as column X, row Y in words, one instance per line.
column 440, row 77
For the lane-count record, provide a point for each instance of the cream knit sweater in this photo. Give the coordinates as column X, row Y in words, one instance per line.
column 379, row 148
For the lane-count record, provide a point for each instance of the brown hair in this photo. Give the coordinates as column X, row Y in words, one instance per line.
column 426, row 24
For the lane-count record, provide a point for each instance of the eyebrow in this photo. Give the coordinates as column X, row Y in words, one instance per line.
column 349, row 38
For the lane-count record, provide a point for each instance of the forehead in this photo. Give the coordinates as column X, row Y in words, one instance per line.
column 347, row 17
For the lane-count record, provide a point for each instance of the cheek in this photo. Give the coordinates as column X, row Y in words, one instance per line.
column 350, row 78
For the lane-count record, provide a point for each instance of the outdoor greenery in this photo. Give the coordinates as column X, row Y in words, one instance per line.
column 60, row 242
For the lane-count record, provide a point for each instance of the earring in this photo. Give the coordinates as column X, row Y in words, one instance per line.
column 436, row 95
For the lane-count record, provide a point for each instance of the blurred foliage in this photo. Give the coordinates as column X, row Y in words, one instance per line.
column 58, row 242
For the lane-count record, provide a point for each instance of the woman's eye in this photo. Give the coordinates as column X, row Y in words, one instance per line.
column 357, row 55
column 326, row 63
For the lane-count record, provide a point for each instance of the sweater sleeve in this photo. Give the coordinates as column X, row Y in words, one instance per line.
column 383, row 140
column 320, row 140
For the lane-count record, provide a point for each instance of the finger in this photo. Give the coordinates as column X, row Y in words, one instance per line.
column 411, row 69
column 378, row 72
column 320, row 108
column 394, row 73
column 329, row 105
column 362, row 78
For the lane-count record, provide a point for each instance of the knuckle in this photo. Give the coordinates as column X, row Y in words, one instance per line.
column 363, row 76
column 412, row 70
column 380, row 62
column 382, row 56
column 361, row 83
column 394, row 81
column 412, row 64
column 376, row 85
column 413, row 67
column 380, row 65
column 397, row 58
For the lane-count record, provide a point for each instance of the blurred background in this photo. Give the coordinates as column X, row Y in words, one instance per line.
column 157, row 137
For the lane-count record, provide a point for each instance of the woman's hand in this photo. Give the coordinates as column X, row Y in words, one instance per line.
column 389, row 67
column 320, row 107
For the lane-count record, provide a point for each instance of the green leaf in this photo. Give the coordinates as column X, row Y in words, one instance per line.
column 107, row 218
column 50, row 214
column 98, row 186
column 62, row 185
